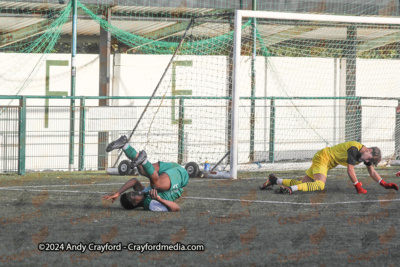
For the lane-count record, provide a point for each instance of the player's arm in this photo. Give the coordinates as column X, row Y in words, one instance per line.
column 352, row 174
column 351, row 162
column 170, row 205
column 373, row 173
column 131, row 183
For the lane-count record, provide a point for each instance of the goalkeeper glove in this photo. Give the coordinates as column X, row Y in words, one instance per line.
column 389, row 185
column 359, row 188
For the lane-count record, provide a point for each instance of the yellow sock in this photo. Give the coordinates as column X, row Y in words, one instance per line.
column 311, row 186
column 290, row 182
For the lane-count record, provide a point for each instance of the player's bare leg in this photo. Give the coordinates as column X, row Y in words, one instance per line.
column 307, row 179
column 160, row 182
column 320, row 177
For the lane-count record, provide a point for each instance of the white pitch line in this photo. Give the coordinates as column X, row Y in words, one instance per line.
column 63, row 191
column 59, row 185
column 76, row 185
column 293, row 203
column 222, row 199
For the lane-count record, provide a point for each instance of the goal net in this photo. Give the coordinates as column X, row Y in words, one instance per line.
column 304, row 82
column 264, row 91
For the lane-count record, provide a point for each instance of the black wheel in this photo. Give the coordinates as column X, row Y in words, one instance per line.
column 124, row 168
column 193, row 169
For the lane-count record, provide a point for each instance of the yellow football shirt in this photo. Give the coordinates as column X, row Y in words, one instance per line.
column 329, row 157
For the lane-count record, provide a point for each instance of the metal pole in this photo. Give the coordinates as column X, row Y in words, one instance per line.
column 82, row 129
column 353, row 120
column 335, row 66
column 73, row 85
column 235, row 94
column 397, row 134
column 229, row 94
column 265, row 102
column 181, row 131
column 104, row 86
column 272, row 132
column 253, row 84
column 216, row 165
column 22, row 136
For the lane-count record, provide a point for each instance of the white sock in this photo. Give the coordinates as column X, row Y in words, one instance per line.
column 279, row 181
column 294, row 188
column 126, row 146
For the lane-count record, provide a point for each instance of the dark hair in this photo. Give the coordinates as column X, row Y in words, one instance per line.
column 125, row 202
column 128, row 200
column 376, row 155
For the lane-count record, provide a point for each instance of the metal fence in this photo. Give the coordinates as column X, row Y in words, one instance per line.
column 36, row 137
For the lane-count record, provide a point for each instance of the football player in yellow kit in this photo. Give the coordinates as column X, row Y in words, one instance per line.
column 347, row 154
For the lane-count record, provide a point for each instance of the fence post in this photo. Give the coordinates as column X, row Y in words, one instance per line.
column 22, row 135
column 272, row 131
column 82, row 117
column 73, row 86
column 397, row 134
column 181, row 131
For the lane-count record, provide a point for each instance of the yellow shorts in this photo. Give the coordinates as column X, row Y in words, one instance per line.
column 321, row 163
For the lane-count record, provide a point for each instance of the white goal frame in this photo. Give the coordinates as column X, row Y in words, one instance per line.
column 239, row 15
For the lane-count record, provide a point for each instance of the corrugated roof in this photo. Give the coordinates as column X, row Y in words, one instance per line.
column 145, row 21
column 21, row 15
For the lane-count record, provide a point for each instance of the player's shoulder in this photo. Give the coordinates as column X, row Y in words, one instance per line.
column 351, row 144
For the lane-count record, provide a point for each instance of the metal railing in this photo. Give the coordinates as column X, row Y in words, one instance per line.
column 22, row 137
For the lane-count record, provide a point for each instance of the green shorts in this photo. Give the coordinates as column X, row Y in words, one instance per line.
column 179, row 177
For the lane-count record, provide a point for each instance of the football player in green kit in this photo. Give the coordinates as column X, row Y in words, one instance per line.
column 167, row 180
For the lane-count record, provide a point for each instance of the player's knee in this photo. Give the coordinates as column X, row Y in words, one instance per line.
column 307, row 179
column 321, row 184
column 159, row 186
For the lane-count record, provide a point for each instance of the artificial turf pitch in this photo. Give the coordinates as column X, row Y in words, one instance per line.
column 236, row 222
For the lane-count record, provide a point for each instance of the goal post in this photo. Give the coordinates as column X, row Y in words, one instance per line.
column 323, row 69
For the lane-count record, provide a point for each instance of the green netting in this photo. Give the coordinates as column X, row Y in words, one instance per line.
column 208, row 46
column 41, row 36
column 46, row 42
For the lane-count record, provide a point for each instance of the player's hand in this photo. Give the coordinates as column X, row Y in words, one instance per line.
column 398, row 174
column 113, row 197
column 153, row 194
column 389, row 185
column 359, row 188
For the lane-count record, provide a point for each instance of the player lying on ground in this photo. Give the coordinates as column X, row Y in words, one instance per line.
column 168, row 178
column 347, row 154
column 147, row 198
